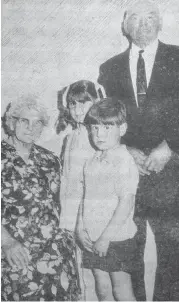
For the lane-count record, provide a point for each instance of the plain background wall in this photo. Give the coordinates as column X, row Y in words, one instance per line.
column 48, row 44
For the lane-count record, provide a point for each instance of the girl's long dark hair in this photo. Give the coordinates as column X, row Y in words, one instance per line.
column 80, row 90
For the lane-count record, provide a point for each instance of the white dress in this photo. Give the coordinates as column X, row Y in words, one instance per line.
column 77, row 151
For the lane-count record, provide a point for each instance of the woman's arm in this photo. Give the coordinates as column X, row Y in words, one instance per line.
column 6, row 238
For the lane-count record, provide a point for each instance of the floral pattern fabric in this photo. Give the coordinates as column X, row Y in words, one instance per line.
column 30, row 213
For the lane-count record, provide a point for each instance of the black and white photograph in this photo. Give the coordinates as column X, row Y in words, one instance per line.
column 90, row 150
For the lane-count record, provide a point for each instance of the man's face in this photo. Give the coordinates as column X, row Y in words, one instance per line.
column 143, row 25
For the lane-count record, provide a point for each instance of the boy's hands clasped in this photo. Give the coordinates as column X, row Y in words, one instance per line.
column 100, row 247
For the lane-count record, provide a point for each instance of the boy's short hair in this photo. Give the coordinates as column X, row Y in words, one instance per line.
column 108, row 111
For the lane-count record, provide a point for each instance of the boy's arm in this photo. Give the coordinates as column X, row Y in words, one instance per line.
column 125, row 186
column 126, row 183
column 121, row 214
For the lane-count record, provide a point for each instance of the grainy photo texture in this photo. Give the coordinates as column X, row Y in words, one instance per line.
column 90, row 150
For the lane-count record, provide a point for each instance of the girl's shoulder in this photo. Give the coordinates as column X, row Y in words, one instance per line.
column 68, row 130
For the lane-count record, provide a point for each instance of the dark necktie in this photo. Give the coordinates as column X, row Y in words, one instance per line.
column 141, row 80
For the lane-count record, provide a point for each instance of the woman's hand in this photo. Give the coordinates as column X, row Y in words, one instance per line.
column 100, row 247
column 139, row 158
column 15, row 253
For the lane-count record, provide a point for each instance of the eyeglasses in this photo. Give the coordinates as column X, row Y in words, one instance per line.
column 24, row 122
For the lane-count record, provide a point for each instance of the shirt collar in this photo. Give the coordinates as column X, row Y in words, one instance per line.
column 149, row 50
column 109, row 154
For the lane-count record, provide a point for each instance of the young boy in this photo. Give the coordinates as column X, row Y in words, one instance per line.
column 105, row 228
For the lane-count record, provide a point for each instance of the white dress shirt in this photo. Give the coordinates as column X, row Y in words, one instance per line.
column 149, row 57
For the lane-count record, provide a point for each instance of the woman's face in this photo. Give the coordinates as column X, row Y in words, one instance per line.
column 79, row 109
column 28, row 126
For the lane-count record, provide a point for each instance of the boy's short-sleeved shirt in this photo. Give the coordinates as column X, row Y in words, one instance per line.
column 108, row 177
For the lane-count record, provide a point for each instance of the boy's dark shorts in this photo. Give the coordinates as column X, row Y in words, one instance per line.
column 121, row 256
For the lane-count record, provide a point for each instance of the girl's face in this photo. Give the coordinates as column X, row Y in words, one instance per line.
column 105, row 136
column 79, row 109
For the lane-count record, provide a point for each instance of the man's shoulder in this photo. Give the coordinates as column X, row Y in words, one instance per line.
column 115, row 60
column 169, row 49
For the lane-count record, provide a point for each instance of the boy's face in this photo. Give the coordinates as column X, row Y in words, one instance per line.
column 105, row 136
column 78, row 110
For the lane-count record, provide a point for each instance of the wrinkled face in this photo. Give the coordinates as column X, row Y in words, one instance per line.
column 105, row 136
column 28, row 126
column 79, row 109
column 143, row 25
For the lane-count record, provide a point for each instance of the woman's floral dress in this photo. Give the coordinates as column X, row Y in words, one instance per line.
column 30, row 213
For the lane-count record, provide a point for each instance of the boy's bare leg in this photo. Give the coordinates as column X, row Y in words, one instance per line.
column 122, row 286
column 103, row 285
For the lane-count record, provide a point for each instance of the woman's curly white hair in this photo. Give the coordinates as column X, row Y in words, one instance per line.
column 15, row 108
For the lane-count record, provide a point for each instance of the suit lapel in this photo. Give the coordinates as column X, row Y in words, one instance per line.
column 158, row 67
column 125, row 78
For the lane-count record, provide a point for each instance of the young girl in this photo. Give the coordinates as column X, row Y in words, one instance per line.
column 105, row 227
column 76, row 149
column 72, row 144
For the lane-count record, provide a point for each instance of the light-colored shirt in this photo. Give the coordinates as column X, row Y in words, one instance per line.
column 107, row 179
column 149, row 58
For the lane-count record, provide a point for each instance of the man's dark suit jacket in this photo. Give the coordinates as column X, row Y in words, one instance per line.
column 158, row 119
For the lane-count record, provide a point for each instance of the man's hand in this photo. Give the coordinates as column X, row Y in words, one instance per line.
column 140, row 159
column 15, row 254
column 84, row 239
column 158, row 158
column 100, row 247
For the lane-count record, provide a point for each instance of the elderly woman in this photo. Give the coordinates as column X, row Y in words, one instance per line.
column 38, row 258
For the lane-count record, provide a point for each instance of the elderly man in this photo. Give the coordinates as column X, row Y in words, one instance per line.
column 146, row 78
